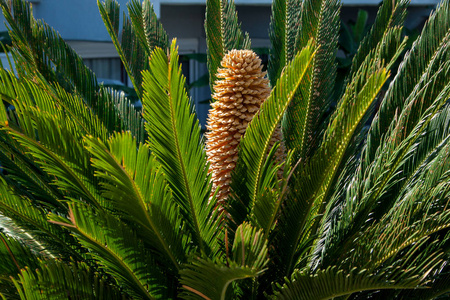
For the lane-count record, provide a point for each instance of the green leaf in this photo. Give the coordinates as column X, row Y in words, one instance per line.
column 141, row 33
column 205, row 279
column 116, row 249
column 40, row 52
column 56, row 280
column 131, row 50
column 360, row 25
column 423, row 86
column 133, row 180
column 146, row 25
column 282, row 33
column 223, row 33
column 174, row 138
column 25, row 175
column 332, row 282
column 15, row 255
column 249, row 247
column 68, row 175
column 426, row 57
column 303, row 123
column 415, row 171
column 44, row 235
column 391, row 14
column 316, row 178
column 248, row 181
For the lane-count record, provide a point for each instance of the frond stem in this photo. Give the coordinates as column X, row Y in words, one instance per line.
column 10, row 252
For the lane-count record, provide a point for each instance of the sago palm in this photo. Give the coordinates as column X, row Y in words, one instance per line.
column 299, row 189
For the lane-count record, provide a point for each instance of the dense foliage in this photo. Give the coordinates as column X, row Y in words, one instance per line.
column 99, row 201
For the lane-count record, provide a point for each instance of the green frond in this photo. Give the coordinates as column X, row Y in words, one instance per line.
column 249, row 247
column 41, row 52
column 412, row 168
column 3, row 114
column 174, row 139
column 14, row 255
column 333, row 282
column 131, row 118
column 391, row 14
column 419, row 210
column 54, row 100
column 205, row 279
column 54, row 240
column 423, row 85
column 223, row 33
column 319, row 175
column 283, row 31
column 54, row 280
column 131, row 52
column 248, row 180
column 269, row 202
column 428, row 55
column 440, row 287
column 25, row 175
column 146, row 25
column 117, row 250
column 41, row 46
column 134, row 182
column 141, row 33
column 303, row 123
column 71, row 170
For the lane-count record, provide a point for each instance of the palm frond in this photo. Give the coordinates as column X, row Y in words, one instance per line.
column 386, row 169
column 282, row 33
column 223, row 33
column 427, row 55
column 248, row 180
column 146, row 25
column 116, row 249
column 398, row 171
column 419, row 209
column 439, row 287
column 131, row 118
column 205, row 279
column 302, row 123
column 318, row 176
column 42, row 52
column 57, row 280
column 174, row 138
column 141, row 33
column 333, row 282
column 391, row 14
column 72, row 176
column 133, row 180
column 26, row 176
column 26, row 216
column 14, row 256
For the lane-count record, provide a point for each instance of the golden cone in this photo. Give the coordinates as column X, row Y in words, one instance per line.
column 240, row 90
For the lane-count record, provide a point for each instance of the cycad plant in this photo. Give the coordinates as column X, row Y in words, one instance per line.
column 298, row 189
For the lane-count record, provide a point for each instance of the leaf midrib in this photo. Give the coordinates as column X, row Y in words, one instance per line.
column 140, row 200
column 180, row 158
column 66, row 168
column 117, row 259
column 279, row 117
